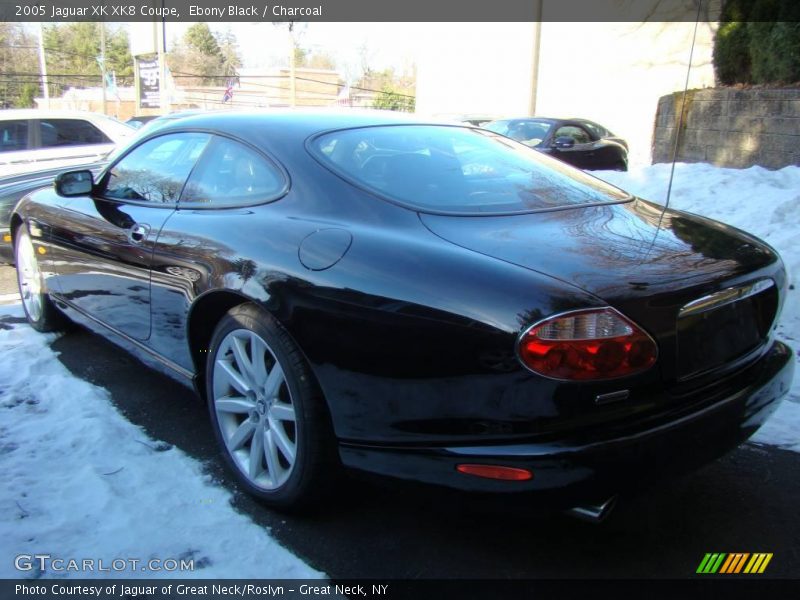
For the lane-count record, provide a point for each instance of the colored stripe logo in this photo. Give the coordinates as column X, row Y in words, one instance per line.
column 734, row 563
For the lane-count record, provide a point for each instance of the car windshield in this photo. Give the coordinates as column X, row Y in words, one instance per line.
column 457, row 170
column 529, row 132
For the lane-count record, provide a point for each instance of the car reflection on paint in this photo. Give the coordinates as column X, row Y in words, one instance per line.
column 434, row 303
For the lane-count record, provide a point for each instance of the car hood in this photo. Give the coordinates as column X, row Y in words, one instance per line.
column 613, row 251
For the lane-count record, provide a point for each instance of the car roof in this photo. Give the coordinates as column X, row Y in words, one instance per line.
column 298, row 122
column 42, row 113
column 552, row 120
column 528, row 118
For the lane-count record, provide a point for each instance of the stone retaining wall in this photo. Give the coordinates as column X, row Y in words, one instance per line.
column 730, row 127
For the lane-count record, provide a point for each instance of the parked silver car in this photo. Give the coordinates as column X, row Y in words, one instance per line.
column 14, row 187
column 32, row 140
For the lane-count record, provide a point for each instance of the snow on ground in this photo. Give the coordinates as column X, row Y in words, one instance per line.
column 77, row 479
column 762, row 202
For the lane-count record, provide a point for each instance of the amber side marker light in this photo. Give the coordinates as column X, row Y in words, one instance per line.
column 7, row 237
column 496, row 472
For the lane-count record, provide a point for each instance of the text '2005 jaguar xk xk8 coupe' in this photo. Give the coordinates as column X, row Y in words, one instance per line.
column 435, row 303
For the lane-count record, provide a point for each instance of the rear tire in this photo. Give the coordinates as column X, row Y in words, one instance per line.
column 39, row 309
column 267, row 413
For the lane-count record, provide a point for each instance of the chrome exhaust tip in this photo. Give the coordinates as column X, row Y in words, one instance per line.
column 594, row 513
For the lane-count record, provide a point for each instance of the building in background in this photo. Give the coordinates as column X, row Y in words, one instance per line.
column 254, row 88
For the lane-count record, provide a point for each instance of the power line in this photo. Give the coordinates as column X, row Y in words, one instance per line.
column 354, row 87
column 56, row 50
column 212, row 76
column 181, row 75
column 75, row 75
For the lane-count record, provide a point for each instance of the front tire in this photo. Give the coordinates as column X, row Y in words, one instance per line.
column 39, row 309
column 266, row 411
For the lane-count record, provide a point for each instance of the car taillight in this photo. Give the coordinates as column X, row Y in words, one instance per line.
column 586, row 345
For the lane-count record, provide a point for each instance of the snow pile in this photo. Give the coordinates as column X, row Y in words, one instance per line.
column 762, row 202
column 77, row 480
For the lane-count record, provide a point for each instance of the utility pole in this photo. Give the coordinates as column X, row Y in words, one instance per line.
column 103, row 65
column 537, row 39
column 292, row 85
column 43, row 68
column 163, row 93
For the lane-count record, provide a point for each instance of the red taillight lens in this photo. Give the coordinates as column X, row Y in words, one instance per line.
column 587, row 345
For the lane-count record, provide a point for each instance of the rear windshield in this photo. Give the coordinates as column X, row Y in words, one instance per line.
column 457, row 170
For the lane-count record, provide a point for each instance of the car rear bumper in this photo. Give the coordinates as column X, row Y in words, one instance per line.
column 573, row 472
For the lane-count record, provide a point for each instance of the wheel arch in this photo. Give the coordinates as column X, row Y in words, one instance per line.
column 13, row 225
column 204, row 315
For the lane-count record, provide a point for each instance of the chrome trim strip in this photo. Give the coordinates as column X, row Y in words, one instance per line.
column 723, row 297
column 612, row 397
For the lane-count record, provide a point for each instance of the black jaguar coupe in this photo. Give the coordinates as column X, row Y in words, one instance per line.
column 436, row 303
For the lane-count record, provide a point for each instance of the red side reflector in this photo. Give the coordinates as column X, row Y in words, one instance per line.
column 496, row 472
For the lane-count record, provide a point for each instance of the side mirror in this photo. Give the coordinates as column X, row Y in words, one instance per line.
column 74, row 183
column 563, row 143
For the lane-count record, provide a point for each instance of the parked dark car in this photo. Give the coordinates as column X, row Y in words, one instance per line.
column 139, row 121
column 149, row 122
column 160, row 120
column 579, row 142
column 434, row 303
column 476, row 119
column 14, row 187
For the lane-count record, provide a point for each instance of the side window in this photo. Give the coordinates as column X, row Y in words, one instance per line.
column 580, row 135
column 230, row 173
column 13, row 135
column 596, row 130
column 70, row 132
column 156, row 170
column 530, row 133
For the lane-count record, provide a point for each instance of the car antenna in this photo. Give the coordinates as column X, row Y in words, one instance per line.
column 683, row 107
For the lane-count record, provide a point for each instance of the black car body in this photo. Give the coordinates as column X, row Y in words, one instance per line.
column 406, row 311
column 579, row 142
column 14, row 187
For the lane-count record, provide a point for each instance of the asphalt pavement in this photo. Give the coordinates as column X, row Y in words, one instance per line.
column 744, row 502
column 8, row 285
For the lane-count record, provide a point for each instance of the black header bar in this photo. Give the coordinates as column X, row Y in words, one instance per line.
column 705, row 586
column 359, row 10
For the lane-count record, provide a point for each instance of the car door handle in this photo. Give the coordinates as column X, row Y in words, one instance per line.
column 138, row 232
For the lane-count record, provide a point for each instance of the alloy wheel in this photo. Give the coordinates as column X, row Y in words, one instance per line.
column 255, row 409
column 29, row 276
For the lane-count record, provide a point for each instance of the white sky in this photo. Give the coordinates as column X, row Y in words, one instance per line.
column 264, row 44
